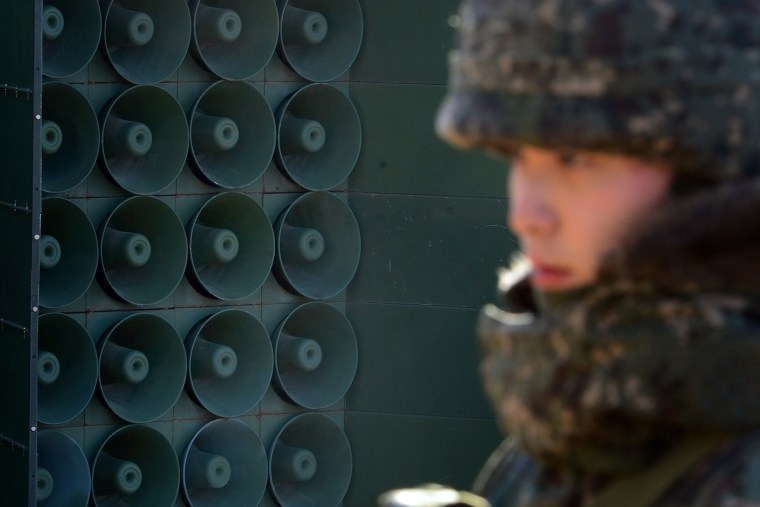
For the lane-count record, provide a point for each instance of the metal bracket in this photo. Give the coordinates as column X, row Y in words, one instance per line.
column 15, row 207
column 13, row 443
column 7, row 89
column 13, row 325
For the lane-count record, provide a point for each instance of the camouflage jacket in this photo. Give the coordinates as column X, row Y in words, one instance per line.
column 608, row 381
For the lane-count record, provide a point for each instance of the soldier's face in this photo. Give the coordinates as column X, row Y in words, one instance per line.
column 569, row 211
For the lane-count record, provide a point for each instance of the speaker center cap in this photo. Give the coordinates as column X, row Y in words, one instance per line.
column 226, row 134
column 138, row 139
column 218, row 471
column 51, row 137
column 304, row 465
column 128, row 477
column 223, row 361
column 135, row 367
column 313, row 136
column 311, row 244
column 314, row 28
column 50, row 252
column 137, row 250
column 52, row 22
column 45, row 484
column 140, row 28
column 48, row 368
column 229, row 26
column 225, row 246
column 303, row 354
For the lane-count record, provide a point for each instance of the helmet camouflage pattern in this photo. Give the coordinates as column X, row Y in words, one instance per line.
column 674, row 80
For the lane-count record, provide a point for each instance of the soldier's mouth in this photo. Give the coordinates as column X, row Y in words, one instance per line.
column 549, row 278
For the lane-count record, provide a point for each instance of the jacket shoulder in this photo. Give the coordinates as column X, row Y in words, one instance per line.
column 729, row 477
column 505, row 475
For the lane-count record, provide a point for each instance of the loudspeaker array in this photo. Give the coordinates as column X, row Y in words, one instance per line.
column 148, row 104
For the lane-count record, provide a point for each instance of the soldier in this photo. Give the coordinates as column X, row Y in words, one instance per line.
column 623, row 361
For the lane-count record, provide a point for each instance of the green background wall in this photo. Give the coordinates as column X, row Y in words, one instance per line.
column 433, row 223
column 432, row 226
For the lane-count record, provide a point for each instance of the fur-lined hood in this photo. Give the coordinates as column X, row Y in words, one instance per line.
column 708, row 241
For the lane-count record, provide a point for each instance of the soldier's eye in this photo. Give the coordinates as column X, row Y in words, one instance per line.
column 569, row 157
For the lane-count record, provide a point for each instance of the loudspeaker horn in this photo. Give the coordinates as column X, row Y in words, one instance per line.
column 320, row 39
column 230, row 362
column 318, row 246
column 234, row 39
column 231, row 247
column 142, row 367
column 70, row 35
column 69, row 137
column 146, row 41
column 315, row 355
column 63, row 475
column 68, row 253
column 143, row 250
column 144, row 139
column 310, row 462
column 224, row 464
column 319, row 137
column 136, row 466
column 67, row 368
column 232, row 134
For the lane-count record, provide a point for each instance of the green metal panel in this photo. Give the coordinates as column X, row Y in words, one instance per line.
column 401, row 153
column 405, row 42
column 424, row 364
column 396, row 451
column 19, row 222
column 429, row 250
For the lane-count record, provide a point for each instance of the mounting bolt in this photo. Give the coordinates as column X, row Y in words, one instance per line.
column 34, row 428
column 37, row 237
column 38, row 117
column 34, row 309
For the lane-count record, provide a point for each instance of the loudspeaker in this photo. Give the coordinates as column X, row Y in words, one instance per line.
column 234, row 39
column 310, row 462
column 136, row 466
column 320, row 39
column 224, row 464
column 70, row 35
column 142, row 367
column 69, row 137
column 232, row 134
column 231, row 247
column 144, row 140
column 67, row 368
column 146, row 41
column 68, row 253
column 318, row 246
column 63, row 475
column 315, row 355
column 143, row 250
column 319, row 137
column 230, row 362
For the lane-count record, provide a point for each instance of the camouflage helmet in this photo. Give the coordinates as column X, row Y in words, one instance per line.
column 673, row 80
